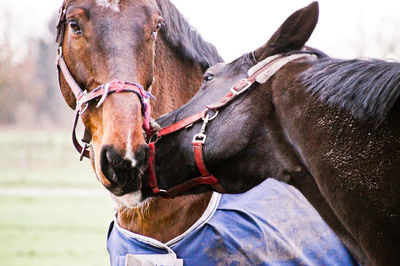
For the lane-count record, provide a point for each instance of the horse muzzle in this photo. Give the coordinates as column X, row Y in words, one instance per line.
column 124, row 172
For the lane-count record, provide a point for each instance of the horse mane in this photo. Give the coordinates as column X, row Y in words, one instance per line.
column 367, row 88
column 184, row 39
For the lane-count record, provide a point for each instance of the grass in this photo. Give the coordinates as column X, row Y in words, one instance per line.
column 54, row 231
column 49, row 230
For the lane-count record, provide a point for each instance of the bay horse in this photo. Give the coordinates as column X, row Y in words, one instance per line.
column 142, row 42
column 329, row 127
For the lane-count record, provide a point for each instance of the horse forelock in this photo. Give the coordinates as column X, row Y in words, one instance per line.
column 185, row 39
column 368, row 89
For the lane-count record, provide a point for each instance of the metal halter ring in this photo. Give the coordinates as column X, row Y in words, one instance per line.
column 213, row 117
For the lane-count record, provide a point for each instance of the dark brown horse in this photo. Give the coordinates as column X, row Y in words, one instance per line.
column 329, row 127
column 140, row 41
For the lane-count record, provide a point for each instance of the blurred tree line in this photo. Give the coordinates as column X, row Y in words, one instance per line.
column 380, row 41
column 29, row 94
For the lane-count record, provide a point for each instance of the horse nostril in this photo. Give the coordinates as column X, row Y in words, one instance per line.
column 114, row 159
column 107, row 155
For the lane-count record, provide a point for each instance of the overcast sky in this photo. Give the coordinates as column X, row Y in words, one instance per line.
column 236, row 27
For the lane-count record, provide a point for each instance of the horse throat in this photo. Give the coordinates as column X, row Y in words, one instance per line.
column 164, row 219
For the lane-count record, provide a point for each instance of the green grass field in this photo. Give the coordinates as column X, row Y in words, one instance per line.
column 46, row 228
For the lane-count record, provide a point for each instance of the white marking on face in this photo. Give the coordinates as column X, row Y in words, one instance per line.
column 129, row 154
column 130, row 200
column 113, row 4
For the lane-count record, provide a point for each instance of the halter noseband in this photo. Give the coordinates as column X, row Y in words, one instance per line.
column 259, row 73
column 84, row 98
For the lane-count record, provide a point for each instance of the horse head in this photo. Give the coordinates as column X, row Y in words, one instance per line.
column 242, row 118
column 102, row 41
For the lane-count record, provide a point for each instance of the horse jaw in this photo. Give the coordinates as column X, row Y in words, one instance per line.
column 130, row 200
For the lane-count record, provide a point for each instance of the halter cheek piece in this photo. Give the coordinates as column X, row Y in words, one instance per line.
column 84, row 98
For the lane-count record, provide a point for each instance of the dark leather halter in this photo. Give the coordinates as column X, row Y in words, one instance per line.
column 84, row 98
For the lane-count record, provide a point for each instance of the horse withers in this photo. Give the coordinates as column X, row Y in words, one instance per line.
column 329, row 127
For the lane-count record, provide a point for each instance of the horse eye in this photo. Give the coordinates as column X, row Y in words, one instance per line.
column 75, row 26
column 208, row 77
column 158, row 26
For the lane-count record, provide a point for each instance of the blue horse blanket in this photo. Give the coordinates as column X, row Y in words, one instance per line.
column 272, row 224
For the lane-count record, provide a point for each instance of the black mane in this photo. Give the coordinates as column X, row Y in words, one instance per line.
column 184, row 39
column 368, row 89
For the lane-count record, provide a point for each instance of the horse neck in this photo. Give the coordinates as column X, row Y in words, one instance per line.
column 176, row 81
column 163, row 219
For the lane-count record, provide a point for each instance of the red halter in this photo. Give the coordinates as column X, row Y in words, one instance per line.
column 199, row 139
column 84, row 98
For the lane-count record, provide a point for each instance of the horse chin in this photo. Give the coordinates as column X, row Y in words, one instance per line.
column 129, row 200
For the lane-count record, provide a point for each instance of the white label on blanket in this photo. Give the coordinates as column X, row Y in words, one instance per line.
column 153, row 260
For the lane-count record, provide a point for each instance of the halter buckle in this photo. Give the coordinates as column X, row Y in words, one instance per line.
column 81, row 101
column 241, row 86
column 84, row 149
column 106, row 89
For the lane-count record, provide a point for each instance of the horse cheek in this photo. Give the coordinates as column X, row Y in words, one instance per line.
column 69, row 97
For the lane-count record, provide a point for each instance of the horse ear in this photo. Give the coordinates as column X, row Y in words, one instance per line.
column 292, row 34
